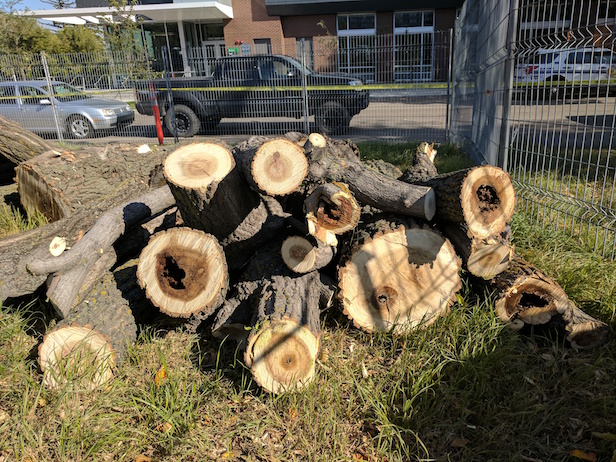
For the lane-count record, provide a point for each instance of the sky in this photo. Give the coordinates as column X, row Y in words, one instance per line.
column 33, row 5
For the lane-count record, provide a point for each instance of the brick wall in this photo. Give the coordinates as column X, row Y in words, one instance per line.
column 250, row 21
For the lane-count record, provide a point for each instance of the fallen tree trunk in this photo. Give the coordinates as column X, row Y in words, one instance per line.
column 18, row 144
column 58, row 183
column 183, row 272
column 328, row 163
column 397, row 275
column 524, row 296
column 75, row 266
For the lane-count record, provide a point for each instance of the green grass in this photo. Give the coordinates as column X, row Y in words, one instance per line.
column 464, row 389
column 13, row 220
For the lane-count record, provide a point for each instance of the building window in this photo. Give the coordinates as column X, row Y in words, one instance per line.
column 356, row 45
column 549, row 23
column 413, row 45
column 263, row 46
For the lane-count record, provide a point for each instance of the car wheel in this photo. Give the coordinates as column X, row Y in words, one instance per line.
column 186, row 121
column 79, row 127
column 332, row 118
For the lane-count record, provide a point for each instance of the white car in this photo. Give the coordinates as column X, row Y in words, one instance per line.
column 588, row 64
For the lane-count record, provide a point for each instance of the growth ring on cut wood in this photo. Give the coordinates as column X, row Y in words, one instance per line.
column 488, row 200
column 489, row 259
column 197, row 165
column 183, row 272
column 282, row 355
column 279, row 167
column 400, row 279
column 76, row 353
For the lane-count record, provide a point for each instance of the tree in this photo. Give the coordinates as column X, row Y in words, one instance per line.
column 121, row 30
column 60, row 4
column 79, row 39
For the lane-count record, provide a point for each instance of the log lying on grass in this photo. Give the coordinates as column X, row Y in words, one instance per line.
column 18, row 144
column 85, row 348
column 524, row 296
column 57, row 183
column 397, row 275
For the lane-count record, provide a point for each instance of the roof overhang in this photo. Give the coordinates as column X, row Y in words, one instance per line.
column 165, row 12
column 311, row 7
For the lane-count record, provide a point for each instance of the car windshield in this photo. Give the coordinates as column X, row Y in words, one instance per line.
column 65, row 93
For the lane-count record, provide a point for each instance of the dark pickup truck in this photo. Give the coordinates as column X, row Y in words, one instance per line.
column 256, row 86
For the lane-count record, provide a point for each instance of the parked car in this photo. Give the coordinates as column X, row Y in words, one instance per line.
column 79, row 115
column 587, row 64
column 255, row 86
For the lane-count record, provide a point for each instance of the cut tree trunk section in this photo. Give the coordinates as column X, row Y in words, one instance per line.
column 275, row 167
column 524, row 296
column 303, row 255
column 184, row 273
column 17, row 145
column 398, row 275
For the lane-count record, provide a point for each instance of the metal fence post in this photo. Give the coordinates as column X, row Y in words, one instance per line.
column 503, row 148
column 169, row 93
column 449, row 74
column 54, row 109
column 304, row 88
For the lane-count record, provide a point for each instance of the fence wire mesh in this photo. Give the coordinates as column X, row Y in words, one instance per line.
column 535, row 91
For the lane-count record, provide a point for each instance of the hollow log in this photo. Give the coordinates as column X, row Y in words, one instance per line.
column 84, row 349
column 274, row 167
column 397, row 274
column 328, row 163
column 481, row 197
column 18, row 144
column 331, row 210
column 184, row 273
column 524, row 296
column 77, row 268
column 58, row 183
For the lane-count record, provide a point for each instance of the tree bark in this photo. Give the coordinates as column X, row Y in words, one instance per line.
column 184, row 273
column 524, row 296
column 274, row 167
column 74, row 267
column 58, row 183
column 397, row 274
column 18, row 144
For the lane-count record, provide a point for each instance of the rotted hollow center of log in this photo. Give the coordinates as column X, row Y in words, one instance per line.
column 298, row 252
column 385, row 298
column 331, row 216
column 278, row 167
column 179, row 273
column 488, row 198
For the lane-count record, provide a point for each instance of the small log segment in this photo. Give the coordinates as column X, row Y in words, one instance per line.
column 331, row 210
column 329, row 163
column 58, row 183
column 524, row 296
column 422, row 165
column 274, row 167
column 184, row 273
column 397, row 274
column 84, row 349
column 214, row 197
column 75, row 270
column 17, row 145
column 303, row 254
column 481, row 197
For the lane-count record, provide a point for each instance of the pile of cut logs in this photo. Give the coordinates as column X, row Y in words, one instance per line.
column 251, row 243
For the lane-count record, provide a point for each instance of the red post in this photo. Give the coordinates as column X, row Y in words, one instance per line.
column 159, row 127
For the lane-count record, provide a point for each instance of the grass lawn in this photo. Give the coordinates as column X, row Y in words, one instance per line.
column 464, row 389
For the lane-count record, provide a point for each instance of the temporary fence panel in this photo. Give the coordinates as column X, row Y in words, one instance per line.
column 535, row 91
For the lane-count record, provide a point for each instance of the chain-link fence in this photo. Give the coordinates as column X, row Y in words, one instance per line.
column 382, row 87
column 535, row 92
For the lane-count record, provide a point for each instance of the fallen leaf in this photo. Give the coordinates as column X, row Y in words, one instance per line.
column 161, row 376
column 164, row 427
column 459, row 442
column 293, row 414
column 358, row 456
column 144, row 458
column 589, row 456
column 227, row 455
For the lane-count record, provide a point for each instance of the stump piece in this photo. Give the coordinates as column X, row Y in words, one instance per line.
column 302, row 255
column 398, row 275
column 331, row 207
column 184, row 273
column 274, row 167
